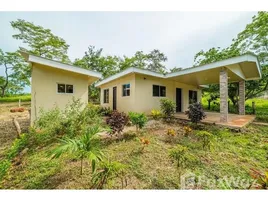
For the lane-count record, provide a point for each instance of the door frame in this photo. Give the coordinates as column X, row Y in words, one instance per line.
column 180, row 100
column 114, row 97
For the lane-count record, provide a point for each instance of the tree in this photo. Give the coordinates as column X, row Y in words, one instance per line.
column 156, row 59
column 85, row 146
column 41, row 41
column 175, row 69
column 17, row 72
column 94, row 60
column 254, row 39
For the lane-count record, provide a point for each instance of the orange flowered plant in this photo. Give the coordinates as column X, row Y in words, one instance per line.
column 261, row 179
column 144, row 142
column 171, row 132
column 187, row 130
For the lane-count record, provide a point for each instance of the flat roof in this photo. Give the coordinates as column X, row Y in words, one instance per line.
column 240, row 67
column 59, row 65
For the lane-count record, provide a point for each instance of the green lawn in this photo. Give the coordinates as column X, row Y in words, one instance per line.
column 231, row 157
column 23, row 98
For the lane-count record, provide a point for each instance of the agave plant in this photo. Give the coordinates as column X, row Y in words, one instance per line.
column 83, row 147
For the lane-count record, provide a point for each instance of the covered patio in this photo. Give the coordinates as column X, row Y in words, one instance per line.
column 238, row 69
column 234, row 121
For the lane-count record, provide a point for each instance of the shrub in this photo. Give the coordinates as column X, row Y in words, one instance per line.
column 156, row 114
column 181, row 157
column 195, row 112
column 171, row 132
column 187, row 131
column 85, row 146
column 168, row 108
column 108, row 171
column 206, row 138
column 144, row 142
column 105, row 111
column 69, row 121
column 138, row 119
column 117, row 121
column 4, row 166
column 261, row 179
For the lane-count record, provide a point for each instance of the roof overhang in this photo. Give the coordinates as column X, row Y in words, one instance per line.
column 245, row 67
column 92, row 75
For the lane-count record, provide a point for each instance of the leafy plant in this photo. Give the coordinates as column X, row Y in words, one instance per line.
column 181, row 157
column 108, row 171
column 117, row 121
column 261, row 179
column 105, row 111
column 168, row 108
column 156, row 114
column 195, row 112
column 144, row 142
column 171, row 132
column 138, row 119
column 187, row 131
column 83, row 147
column 206, row 138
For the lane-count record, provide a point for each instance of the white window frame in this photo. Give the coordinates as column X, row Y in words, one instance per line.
column 126, row 90
column 104, row 95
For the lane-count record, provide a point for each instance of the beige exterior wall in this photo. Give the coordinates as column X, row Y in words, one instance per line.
column 44, row 88
column 141, row 93
column 126, row 103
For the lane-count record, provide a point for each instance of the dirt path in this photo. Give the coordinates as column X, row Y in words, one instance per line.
column 7, row 128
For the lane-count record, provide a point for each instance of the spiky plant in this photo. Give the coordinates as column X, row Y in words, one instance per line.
column 83, row 147
column 107, row 171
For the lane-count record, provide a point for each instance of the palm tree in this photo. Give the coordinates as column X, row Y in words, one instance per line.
column 84, row 146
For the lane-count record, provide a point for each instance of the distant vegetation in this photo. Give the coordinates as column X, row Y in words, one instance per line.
column 16, row 98
column 261, row 106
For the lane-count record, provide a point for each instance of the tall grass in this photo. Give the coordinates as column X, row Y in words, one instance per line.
column 23, row 98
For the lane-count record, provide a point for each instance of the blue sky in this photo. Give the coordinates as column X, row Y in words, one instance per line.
column 180, row 35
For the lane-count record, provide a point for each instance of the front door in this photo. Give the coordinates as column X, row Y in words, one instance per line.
column 178, row 99
column 114, row 97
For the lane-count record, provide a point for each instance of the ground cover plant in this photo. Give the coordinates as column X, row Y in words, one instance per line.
column 152, row 167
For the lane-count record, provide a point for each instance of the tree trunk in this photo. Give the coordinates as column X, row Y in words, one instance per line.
column 209, row 101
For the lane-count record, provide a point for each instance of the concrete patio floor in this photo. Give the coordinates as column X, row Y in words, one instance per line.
column 234, row 121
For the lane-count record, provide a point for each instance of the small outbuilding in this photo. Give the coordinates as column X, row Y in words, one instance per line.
column 56, row 84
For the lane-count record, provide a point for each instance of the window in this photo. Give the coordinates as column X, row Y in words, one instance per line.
column 159, row 91
column 69, row 89
column 61, row 88
column 106, row 96
column 192, row 96
column 65, row 88
column 126, row 90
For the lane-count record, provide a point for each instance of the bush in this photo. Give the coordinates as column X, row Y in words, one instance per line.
column 181, row 157
column 138, row 119
column 69, row 121
column 156, row 114
column 117, row 121
column 105, row 111
column 4, row 166
column 206, row 138
column 108, row 171
column 168, row 108
column 195, row 112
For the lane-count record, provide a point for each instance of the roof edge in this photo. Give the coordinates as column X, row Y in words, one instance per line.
column 59, row 65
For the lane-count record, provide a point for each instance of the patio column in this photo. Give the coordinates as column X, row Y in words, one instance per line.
column 223, row 95
column 241, row 102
